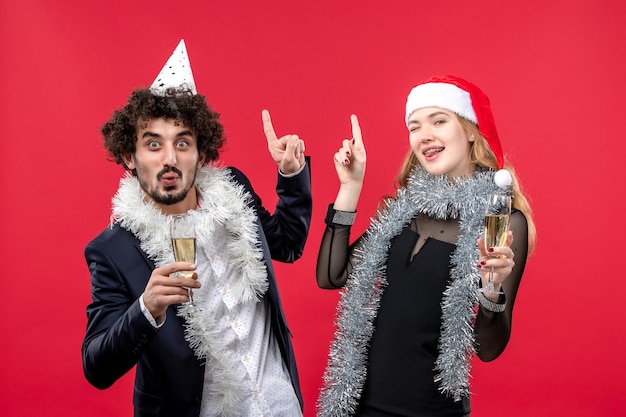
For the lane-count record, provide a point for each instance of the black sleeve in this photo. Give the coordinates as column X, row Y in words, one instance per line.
column 334, row 259
column 117, row 330
column 493, row 330
column 286, row 230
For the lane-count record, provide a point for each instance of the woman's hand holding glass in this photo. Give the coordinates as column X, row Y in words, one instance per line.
column 495, row 265
column 496, row 256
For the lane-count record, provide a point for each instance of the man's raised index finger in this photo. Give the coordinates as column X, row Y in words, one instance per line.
column 267, row 126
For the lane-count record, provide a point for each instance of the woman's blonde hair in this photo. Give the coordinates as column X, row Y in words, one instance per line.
column 481, row 156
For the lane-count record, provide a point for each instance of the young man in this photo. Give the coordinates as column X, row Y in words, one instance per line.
column 229, row 353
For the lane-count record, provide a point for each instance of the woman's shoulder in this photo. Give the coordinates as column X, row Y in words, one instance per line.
column 518, row 222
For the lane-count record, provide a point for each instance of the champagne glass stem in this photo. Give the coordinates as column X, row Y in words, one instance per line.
column 490, row 288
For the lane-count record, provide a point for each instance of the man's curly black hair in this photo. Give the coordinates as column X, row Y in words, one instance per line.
column 191, row 110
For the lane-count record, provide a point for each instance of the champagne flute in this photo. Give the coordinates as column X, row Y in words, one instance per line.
column 496, row 227
column 183, row 237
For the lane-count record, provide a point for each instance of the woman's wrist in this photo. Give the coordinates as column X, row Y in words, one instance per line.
column 339, row 217
column 492, row 306
column 348, row 196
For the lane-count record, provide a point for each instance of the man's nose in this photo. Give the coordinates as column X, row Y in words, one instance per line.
column 169, row 156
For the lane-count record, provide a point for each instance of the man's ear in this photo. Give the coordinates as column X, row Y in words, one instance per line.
column 201, row 160
column 129, row 161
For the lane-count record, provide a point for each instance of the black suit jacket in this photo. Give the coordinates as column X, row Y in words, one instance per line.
column 169, row 379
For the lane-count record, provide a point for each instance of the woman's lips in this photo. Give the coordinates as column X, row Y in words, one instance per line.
column 432, row 153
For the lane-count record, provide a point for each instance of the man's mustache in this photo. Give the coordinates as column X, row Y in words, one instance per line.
column 169, row 169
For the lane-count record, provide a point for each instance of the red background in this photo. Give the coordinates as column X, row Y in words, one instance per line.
column 554, row 71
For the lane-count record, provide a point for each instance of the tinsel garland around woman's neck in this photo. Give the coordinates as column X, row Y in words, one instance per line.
column 439, row 198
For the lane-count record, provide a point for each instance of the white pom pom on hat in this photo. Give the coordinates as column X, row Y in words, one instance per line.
column 176, row 73
column 459, row 96
column 502, row 178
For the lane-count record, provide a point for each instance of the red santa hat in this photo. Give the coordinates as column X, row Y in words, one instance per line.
column 461, row 97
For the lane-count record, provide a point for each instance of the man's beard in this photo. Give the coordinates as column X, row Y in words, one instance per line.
column 167, row 199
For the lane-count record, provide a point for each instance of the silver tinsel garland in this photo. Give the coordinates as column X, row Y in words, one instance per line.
column 225, row 203
column 436, row 197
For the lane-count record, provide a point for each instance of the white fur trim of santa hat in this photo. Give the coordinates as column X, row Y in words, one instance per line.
column 442, row 95
column 176, row 73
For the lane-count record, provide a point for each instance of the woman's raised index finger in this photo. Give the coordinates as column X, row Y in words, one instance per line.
column 267, row 127
column 356, row 129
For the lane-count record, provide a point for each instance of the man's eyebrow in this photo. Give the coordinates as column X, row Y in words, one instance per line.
column 147, row 133
column 150, row 134
column 184, row 133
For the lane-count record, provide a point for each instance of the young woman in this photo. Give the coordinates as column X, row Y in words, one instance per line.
column 412, row 313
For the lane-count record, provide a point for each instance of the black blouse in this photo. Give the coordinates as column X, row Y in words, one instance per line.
column 405, row 342
column 404, row 346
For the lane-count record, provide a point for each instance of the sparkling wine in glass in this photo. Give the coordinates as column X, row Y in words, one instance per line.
column 496, row 227
column 183, row 236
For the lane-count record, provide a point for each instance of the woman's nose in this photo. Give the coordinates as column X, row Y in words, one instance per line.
column 426, row 135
